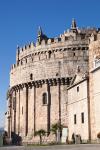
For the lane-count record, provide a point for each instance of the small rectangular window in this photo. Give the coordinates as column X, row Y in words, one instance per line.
column 75, row 119
column 82, row 117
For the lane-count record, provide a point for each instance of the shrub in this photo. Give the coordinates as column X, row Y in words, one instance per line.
column 40, row 133
column 98, row 135
column 55, row 127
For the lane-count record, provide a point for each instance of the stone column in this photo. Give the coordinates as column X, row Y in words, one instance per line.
column 23, row 112
column 9, row 127
column 31, row 110
column 59, row 99
column 12, row 112
column 17, row 111
column 14, row 109
column 64, row 113
column 34, row 109
column 26, row 111
column 48, row 107
column 9, row 117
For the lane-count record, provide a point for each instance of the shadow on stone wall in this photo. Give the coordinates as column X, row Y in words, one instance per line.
column 15, row 139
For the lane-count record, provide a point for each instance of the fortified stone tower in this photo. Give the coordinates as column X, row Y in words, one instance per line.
column 40, row 77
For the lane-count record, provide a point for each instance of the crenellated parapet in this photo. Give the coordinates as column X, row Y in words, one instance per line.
column 94, row 51
column 45, row 45
column 42, row 59
column 95, row 37
column 24, row 51
column 70, row 38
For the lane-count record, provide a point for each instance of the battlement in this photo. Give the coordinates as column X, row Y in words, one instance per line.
column 27, row 47
column 95, row 37
column 94, row 47
column 70, row 36
column 72, row 39
column 13, row 66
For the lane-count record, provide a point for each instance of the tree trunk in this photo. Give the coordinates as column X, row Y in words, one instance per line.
column 40, row 139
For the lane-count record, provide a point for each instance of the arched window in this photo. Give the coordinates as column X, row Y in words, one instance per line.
column 44, row 98
column 31, row 76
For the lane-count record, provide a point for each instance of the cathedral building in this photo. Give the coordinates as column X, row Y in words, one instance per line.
column 56, row 80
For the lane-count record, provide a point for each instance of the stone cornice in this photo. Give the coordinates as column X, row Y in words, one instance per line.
column 95, row 69
column 84, row 79
column 39, row 83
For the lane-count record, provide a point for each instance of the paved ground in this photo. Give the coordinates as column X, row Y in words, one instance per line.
column 58, row 147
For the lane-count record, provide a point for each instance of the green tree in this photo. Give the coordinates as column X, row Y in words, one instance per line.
column 56, row 127
column 40, row 133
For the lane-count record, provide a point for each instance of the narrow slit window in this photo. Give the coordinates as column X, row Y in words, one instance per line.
column 75, row 119
column 82, row 117
column 49, row 54
column 77, row 88
column 44, row 98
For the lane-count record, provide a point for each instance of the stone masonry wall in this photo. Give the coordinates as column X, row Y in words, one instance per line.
column 49, row 60
column 94, row 53
column 77, row 104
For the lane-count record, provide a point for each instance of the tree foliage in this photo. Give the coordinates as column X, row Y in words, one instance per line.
column 98, row 135
column 56, row 127
column 40, row 133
